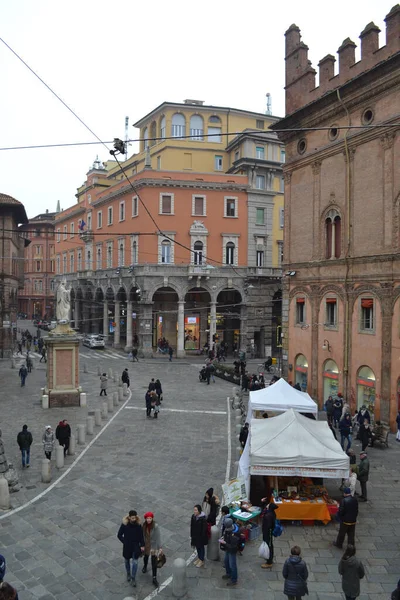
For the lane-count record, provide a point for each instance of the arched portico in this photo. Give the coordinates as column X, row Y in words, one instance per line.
column 165, row 317
column 228, row 318
column 196, row 319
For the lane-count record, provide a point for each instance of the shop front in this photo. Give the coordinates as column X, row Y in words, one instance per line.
column 366, row 390
column 192, row 332
column 330, row 379
column 301, row 371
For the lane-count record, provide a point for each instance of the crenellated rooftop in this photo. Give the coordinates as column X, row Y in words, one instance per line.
column 300, row 74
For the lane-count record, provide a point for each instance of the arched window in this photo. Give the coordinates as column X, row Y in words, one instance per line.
column 134, row 253
column 79, row 260
column 64, row 264
column 121, row 252
column 145, row 138
column 198, row 253
column 230, row 253
column 196, row 128
column 333, row 235
column 89, row 260
column 166, row 252
column 162, row 127
column 98, row 258
column 214, row 119
column 178, row 125
column 153, row 133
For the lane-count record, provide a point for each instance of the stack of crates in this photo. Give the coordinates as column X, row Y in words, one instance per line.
column 254, row 532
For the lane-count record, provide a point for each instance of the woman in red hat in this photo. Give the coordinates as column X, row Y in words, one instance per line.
column 152, row 544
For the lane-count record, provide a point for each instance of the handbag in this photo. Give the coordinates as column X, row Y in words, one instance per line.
column 161, row 560
column 305, row 586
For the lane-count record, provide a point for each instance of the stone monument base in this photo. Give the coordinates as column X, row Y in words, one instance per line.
column 63, row 367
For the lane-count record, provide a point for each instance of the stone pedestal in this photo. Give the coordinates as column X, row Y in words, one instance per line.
column 62, row 367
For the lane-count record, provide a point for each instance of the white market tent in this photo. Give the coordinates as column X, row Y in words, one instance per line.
column 292, row 445
column 280, row 397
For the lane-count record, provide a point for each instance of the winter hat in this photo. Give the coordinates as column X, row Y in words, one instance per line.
column 48, row 426
column 149, row 514
column 347, row 490
column 363, row 453
column 228, row 524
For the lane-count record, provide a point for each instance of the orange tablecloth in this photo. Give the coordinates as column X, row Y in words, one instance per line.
column 303, row 511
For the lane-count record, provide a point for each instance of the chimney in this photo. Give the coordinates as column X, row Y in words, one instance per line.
column 326, row 69
column 369, row 40
column 347, row 55
column 293, row 37
column 392, row 21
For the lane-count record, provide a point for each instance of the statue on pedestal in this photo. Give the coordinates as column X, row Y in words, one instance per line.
column 63, row 303
column 7, row 470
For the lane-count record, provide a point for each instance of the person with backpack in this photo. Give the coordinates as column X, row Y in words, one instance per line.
column 130, row 534
column 23, row 373
column 24, row 441
column 230, row 545
column 295, row 574
column 352, row 570
column 198, row 534
column 268, row 526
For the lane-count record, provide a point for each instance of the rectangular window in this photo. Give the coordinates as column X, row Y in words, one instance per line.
column 283, row 155
column 71, row 263
column 110, row 215
column 58, row 264
column 158, row 163
column 166, row 204
column 231, row 207
column 217, row 162
column 331, row 312
column 367, row 314
column 122, row 211
column 300, row 311
column 260, row 182
column 260, row 152
column 280, row 253
column 260, row 258
column 281, row 217
column 89, row 221
column 259, row 216
column 99, row 262
column 72, row 230
column 260, row 123
column 199, row 206
column 215, row 134
column 99, row 219
column 64, row 232
column 237, row 155
column 281, row 184
column 38, row 250
column 134, row 250
column 38, row 265
column 79, row 260
column 109, row 254
column 135, row 206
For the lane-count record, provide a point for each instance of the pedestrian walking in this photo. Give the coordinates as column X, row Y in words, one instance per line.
column 125, row 377
column 348, row 511
column 170, row 352
column 329, row 409
column 23, row 373
column 135, row 355
column 396, row 593
column 230, row 546
column 7, row 592
column 363, row 414
column 24, row 441
column 130, row 534
column 268, row 524
column 398, row 427
column 48, row 440
column 152, row 385
column 210, row 507
column 63, row 434
column 295, row 573
column 345, row 431
column 198, row 534
column 337, row 410
column 29, row 364
column 19, row 348
column 103, row 384
column 352, row 570
column 152, row 544
column 43, row 355
column 148, row 399
column 158, row 389
column 364, row 434
column 363, row 475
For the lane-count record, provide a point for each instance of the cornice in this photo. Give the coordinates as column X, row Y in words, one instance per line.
column 73, row 213
column 340, row 262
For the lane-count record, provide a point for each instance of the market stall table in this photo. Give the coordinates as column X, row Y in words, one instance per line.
column 244, row 515
column 299, row 510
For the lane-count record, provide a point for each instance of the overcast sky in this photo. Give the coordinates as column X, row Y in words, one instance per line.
column 110, row 60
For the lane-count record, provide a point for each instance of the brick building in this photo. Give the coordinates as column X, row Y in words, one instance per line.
column 342, row 220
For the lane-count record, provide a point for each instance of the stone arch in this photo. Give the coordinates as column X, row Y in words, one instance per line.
column 121, row 295
column 178, row 289
column 110, row 293
column 165, row 316
column 197, row 317
column 332, row 289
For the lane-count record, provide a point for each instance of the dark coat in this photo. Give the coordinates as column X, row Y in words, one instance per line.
column 348, row 509
column 24, row 440
column 158, row 388
column 364, row 433
column 361, row 417
column 295, row 573
column 63, row 433
column 363, row 470
column 345, row 426
column 329, row 406
column 351, row 570
column 152, row 386
column 148, row 399
column 244, row 432
column 131, row 535
column 268, row 524
column 214, row 506
column 231, row 540
column 198, row 531
column 337, row 407
column 398, row 421
column 125, row 377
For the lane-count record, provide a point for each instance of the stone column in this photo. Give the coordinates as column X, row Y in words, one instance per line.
column 145, row 329
column 128, row 326
column 181, row 329
column 77, row 314
column 213, row 320
column 117, row 313
column 105, row 320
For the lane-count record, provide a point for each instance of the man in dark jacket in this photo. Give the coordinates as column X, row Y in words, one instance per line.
column 24, row 441
column 63, row 434
column 23, row 372
column 345, row 431
column 329, row 409
column 152, row 385
column 348, row 511
column 125, row 377
column 363, row 475
column 244, row 433
column 130, row 534
column 231, row 543
column 268, row 524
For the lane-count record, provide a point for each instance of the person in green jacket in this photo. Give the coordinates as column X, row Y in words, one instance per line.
column 363, row 475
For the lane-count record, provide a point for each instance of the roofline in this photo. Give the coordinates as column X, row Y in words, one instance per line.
column 198, row 107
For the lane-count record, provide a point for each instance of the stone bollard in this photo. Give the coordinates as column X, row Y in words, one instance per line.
column 104, row 410
column 81, row 434
column 89, row 425
column 110, row 406
column 115, row 378
column 97, row 417
column 110, row 373
column 85, row 367
column 115, row 398
column 5, row 503
column 98, row 370
column 213, row 544
column 125, row 389
column 45, row 401
column 13, row 363
column 179, row 582
column 238, row 420
column 120, row 394
column 82, row 399
column 119, row 382
column 59, row 457
column 46, row 470
column 238, row 428
column 72, row 444
column 238, row 413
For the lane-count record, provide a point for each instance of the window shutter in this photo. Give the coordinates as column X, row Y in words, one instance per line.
column 331, row 300
column 367, row 303
column 300, row 300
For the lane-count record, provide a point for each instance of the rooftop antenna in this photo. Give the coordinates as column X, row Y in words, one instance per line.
column 269, row 104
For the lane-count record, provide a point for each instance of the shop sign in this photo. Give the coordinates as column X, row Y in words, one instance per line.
column 133, row 315
column 301, row 369
column 367, row 382
column 298, row 471
column 330, row 375
column 191, row 320
column 6, row 324
column 234, row 490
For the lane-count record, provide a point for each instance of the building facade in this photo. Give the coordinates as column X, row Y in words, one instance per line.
column 341, row 308
column 36, row 299
column 12, row 214
column 189, row 277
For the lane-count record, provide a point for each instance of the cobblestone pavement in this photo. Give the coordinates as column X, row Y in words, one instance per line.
column 63, row 546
